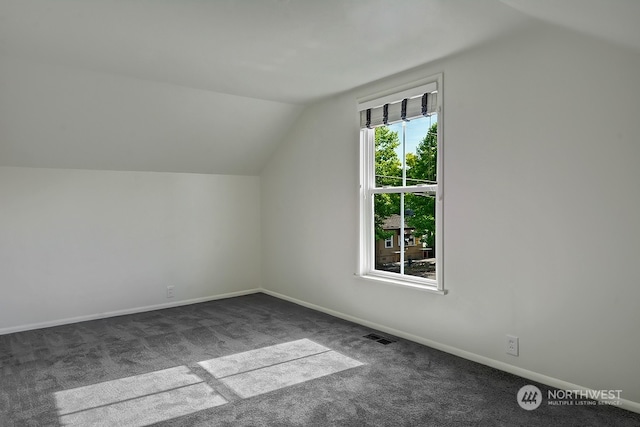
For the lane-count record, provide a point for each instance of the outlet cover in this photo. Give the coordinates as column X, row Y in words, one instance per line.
column 170, row 292
column 512, row 345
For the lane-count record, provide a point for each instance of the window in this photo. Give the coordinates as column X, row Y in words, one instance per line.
column 401, row 185
column 409, row 240
column 388, row 242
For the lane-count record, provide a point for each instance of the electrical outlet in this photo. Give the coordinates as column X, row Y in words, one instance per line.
column 512, row 345
column 170, row 292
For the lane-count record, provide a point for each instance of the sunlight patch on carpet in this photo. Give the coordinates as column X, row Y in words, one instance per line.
column 254, row 359
column 270, row 368
column 137, row 400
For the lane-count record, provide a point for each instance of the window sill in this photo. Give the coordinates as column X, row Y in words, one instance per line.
column 402, row 283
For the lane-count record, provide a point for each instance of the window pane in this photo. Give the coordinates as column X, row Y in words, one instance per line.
column 419, row 235
column 388, row 164
column 386, row 208
column 412, row 145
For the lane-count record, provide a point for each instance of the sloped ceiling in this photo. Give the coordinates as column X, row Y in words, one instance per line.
column 617, row 21
column 280, row 50
column 212, row 86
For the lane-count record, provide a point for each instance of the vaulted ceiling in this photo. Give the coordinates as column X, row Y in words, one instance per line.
column 167, row 85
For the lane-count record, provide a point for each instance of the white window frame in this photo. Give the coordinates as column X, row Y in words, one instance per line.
column 388, row 243
column 366, row 265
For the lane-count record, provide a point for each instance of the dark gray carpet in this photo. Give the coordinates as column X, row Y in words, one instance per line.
column 400, row 384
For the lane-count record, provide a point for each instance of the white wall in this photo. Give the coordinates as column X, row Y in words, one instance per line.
column 77, row 243
column 542, row 236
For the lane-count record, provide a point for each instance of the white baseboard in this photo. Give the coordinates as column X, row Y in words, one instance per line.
column 133, row 310
column 530, row 375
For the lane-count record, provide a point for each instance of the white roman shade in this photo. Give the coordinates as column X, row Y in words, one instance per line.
column 405, row 105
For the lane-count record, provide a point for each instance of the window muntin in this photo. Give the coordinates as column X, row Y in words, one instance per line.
column 402, row 196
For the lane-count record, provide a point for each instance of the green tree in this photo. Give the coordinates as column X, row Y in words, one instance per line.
column 388, row 172
column 426, row 159
column 388, row 165
column 424, row 171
